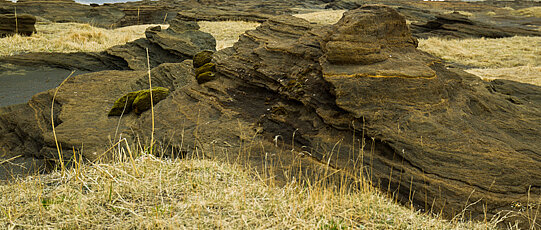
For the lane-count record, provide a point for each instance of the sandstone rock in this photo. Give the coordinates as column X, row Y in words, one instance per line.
column 440, row 132
column 436, row 137
column 456, row 25
column 182, row 38
column 22, row 24
column 156, row 12
column 181, row 41
column 83, row 102
column 70, row 11
column 210, row 14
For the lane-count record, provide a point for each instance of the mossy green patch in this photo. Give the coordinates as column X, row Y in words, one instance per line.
column 123, row 104
column 202, row 58
column 209, row 67
column 139, row 101
column 142, row 101
column 205, row 77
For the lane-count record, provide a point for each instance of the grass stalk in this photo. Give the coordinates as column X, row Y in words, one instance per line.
column 53, row 126
column 151, row 104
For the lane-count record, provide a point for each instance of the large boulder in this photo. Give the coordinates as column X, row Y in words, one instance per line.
column 293, row 97
column 11, row 24
column 82, row 103
column 439, row 138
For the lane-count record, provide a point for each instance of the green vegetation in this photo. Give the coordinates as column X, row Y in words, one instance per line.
column 138, row 101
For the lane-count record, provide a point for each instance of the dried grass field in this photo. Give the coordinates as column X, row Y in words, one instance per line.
column 157, row 193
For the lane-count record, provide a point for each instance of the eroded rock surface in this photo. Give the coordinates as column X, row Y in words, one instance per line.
column 293, row 95
column 22, row 24
column 456, row 25
column 181, row 41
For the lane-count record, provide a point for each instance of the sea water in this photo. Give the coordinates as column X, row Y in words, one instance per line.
column 20, row 83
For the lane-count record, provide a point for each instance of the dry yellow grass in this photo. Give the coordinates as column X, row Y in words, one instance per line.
column 76, row 37
column 69, row 37
column 465, row 13
column 226, row 32
column 526, row 74
column 515, row 58
column 322, row 17
column 486, row 53
column 530, row 11
column 195, row 194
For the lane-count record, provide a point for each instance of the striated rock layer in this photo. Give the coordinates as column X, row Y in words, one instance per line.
column 350, row 100
column 11, row 24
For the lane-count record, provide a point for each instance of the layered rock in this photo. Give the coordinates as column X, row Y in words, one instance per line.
column 182, row 40
column 429, row 21
column 456, row 25
column 11, row 24
column 433, row 136
column 155, row 12
column 354, row 99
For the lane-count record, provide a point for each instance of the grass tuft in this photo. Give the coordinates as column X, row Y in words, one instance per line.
column 485, row 52
column 525, row 74
column 69, row 37
column 322, row 17
column 192, row 193
column 226, row 32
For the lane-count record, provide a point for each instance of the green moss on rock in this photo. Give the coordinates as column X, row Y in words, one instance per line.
column 125, row 101
column 205, row 77
column 202, row 58
column 209, row 67
column 139, row 101
column 142, row 101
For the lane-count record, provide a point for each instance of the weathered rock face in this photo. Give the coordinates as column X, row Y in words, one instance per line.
column 155, row 12
column 69, row 11
column 22, row 24
column 440, row 132
column 456, row 25
column 26, row 129
column 181, row 41
column 294, row 95
column 428, row 20
column 210, row 14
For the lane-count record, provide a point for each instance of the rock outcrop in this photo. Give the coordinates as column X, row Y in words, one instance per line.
column 352, row 100
column 11, row 24
column 155, row 12
column 428, row 19
column 439, row 138
column 456, row 25
column 181, row 41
